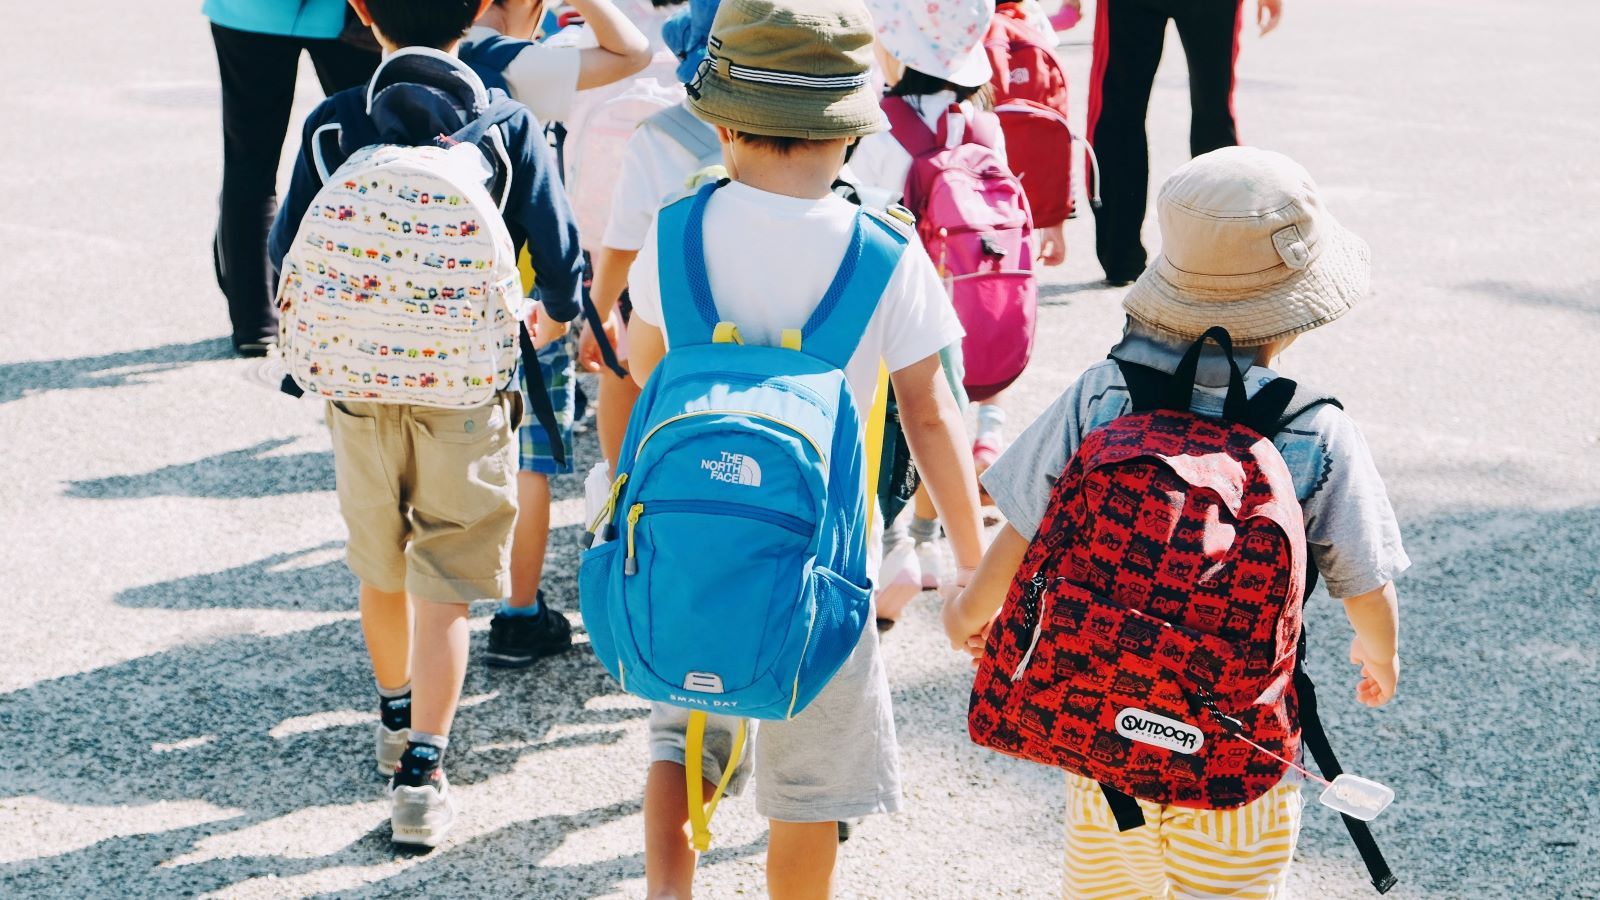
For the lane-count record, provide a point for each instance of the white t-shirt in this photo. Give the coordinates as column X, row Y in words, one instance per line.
column 770, row 259
column 542, row 78
column 880, row 162
column 655, row 168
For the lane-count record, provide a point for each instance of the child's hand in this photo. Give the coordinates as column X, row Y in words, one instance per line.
column 1378, row 676
column 589, row 358
column 546, row 330
column 963, row 630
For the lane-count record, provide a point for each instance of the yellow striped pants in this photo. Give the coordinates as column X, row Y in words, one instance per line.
column 1180, row 853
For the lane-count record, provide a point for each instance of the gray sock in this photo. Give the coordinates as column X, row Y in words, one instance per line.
column 924, row 530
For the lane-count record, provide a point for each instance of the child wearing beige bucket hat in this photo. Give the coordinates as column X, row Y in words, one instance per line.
column 1249, row 246
column 786, row 84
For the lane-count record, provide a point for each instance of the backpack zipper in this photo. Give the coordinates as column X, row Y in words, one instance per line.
column 729, row 412
column 785, row 521
column 604, row 519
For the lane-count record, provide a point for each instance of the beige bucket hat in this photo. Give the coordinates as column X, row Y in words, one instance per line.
column 1246, row 244
column 789, row 68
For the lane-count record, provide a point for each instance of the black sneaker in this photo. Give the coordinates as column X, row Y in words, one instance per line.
column 516, row 641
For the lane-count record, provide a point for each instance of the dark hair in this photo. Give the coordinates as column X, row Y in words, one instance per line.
column 782, row 146
column 920, row 84
column 423, row 23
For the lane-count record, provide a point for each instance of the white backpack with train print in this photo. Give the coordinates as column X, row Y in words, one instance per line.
column 402, row 285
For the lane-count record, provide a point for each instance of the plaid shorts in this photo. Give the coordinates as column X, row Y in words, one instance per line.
column 534, row 453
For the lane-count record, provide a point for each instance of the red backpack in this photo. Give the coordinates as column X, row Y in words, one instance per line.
column 973, row 219
column 1154, row 625
column 1030, row 96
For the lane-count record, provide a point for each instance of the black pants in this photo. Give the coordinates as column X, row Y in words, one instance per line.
column 258, row 75
column 1128, row 37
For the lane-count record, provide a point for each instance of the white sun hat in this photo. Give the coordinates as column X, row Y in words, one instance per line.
column 1247, row 244
column 943, row 39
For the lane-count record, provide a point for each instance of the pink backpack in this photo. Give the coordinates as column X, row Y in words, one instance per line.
column 974, row 220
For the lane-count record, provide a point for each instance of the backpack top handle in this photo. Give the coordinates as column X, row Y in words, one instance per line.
column 1180, row 390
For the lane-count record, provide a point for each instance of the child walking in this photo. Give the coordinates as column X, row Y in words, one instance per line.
column 1247, row 246
column 786, row 85
column 425, row 490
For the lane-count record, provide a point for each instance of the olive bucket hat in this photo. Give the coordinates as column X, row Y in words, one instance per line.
column 1247, row 244
column 789, row 68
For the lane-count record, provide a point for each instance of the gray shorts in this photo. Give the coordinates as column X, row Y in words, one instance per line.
column 837, row 760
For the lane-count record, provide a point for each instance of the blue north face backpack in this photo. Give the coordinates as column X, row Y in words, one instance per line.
column 734, row 577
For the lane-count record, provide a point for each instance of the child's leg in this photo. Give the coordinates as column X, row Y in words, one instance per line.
column 668, row 859
column 924, row 530
column 617, row 397
column 1242, row 852
column 800, row 859
column 386, row 623
column 531, row 538
column 1103, row 863
column 439, row 665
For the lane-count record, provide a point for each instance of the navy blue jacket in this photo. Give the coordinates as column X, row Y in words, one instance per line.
column 417, row 95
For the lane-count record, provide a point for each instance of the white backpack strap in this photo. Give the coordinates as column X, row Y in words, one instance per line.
column 330, row 131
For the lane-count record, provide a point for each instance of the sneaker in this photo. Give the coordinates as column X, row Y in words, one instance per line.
column 421, row 816
column 391, row 745
column 930, row 556
column 516, row 641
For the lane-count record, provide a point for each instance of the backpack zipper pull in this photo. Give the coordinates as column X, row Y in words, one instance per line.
column 1031, row 615
column 603, row 521
column 631, row 565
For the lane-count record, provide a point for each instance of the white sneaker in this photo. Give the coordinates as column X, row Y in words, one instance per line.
column 421, row 816
column 901, row 577
column 930, row 556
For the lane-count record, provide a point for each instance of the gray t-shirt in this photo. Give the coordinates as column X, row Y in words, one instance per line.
column 1351, row 531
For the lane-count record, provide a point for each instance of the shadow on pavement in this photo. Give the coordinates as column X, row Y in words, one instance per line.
column 237, row 474
column 264, row 727
column 1584, row 298
column 1061, row 294
column 275, row 582
column 17, row 380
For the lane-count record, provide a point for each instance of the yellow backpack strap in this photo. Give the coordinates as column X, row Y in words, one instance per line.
column 791, row 338
column 875, row 425
column 700, row 812
column 726, row 333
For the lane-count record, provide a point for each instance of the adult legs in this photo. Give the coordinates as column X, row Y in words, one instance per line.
column 1127, row 48
column 258, row 74
column 1209, row 30
column 340, row 65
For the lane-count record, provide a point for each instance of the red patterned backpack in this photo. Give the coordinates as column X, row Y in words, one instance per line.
column 1154, row 625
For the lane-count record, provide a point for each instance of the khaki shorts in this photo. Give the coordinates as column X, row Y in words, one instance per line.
column 428, row 495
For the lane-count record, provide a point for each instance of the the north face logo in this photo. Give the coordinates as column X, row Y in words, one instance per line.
column 733, row 468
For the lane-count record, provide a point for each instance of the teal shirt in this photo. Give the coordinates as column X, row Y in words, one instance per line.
column 293, row 18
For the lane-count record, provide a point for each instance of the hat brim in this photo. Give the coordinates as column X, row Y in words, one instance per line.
column 1306, row 299
column 779, row 111
column 974, row 71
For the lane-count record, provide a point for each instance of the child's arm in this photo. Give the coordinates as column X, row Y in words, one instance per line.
column 967, row 617
column 624, row 50
column 646, row 346
column 539, row 205
column 1375, row 616
column 937, row 437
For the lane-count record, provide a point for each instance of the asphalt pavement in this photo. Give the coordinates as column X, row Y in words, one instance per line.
column 185, row 707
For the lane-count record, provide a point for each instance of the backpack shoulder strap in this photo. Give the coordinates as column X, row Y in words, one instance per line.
column 693, row 135
column 350, row 130
column 907, row 127
column 834, row 330
column 1280, row 402
column 688, row 311
column 1147, row 387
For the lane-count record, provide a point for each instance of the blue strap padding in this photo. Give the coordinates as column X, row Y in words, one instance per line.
column 686, row 322
column 834, row 329
column 490, row 57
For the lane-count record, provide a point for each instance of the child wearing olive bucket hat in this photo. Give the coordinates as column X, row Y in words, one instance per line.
column 1246, row 245
column 786, row 84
